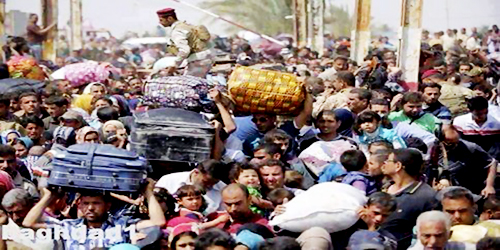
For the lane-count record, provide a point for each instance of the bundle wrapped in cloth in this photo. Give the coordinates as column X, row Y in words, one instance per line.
column 265, row 91
column 25, row 67
column 186, row 92
column 83, row 73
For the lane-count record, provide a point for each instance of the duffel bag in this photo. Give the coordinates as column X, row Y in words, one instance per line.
column 265, row 91
column 98, row 166
column 329, row 205
column 186, row 92
column 171, row 135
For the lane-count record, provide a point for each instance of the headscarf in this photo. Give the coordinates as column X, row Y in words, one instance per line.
column 115, row 123
column 6, row 133
column 84, row 102
column 6, row 180
column 88, row 90
column 80, row 136
column 26, row 141
column 123, row 104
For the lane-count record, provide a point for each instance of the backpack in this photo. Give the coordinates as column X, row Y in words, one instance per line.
column 198, row 36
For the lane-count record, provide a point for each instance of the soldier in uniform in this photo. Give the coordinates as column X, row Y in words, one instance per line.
column 187, row 42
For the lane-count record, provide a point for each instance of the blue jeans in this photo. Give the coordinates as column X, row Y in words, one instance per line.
column 36, row 50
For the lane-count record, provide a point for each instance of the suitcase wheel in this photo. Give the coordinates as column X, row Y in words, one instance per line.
column 71, row 182
column 115, row 186
column 115, row 175
column 71, row 171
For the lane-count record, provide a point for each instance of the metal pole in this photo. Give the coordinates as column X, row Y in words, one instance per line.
column 2, row 28
column 231, row 22
column 76, row 25
column 361, row 33
column 49, row 16
column 409, row 43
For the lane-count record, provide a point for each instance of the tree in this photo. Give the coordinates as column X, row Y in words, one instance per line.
column 265, row 16
column 338, row 21
column 268, row 16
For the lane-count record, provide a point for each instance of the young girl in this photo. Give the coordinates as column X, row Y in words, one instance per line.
column 249, row 176
column 367, row 128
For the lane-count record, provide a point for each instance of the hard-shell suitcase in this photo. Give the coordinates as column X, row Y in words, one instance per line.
column 97, row 166
column 171, row 134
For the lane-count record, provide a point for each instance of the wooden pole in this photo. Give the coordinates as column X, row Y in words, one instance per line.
column 360, row 36
column 300, row 22
column 76, row 25
column 409, row 43
column 49, row 16
column 2, row 28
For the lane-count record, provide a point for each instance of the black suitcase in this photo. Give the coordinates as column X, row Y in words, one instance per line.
column 170, row 134
column 98, row 166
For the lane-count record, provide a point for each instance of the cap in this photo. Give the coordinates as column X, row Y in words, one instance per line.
column 476, row 71
column 71, row 115
column 364, row 239
column 429, row 73
column 165, row 12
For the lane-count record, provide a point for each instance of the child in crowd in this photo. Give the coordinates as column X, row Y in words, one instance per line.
column 378, row 207
column 293, row 179
column 367, row 128
column 249, row 176
column 354, row 162
column 280, row 196
column 191, row 203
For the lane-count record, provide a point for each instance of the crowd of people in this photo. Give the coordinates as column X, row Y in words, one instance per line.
column 424, row 155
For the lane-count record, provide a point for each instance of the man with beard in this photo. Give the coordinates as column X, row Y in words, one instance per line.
column 431, row 93
column 412, row 112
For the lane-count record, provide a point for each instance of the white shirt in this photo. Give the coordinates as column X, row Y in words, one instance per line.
column 213, row 196
column 472, row 44
column 467, row 125
column 448, row 42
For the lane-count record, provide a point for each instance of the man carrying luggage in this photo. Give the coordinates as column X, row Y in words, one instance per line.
column 100, row 230
column 187, row 42
column 206, row 175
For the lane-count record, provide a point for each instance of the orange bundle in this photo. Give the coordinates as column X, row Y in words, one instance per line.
column 265, row 91
column 25, row 67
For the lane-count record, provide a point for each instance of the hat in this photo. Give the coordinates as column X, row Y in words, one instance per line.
column 429, row 73
column 364, row 239
column 476, row 71
column 165, row 12
column 71, row 115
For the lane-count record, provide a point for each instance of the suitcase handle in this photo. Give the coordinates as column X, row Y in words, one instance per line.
column 90, row 158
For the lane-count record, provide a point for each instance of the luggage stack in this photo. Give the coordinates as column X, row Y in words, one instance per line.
column 173, row 135
column 98, row 167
